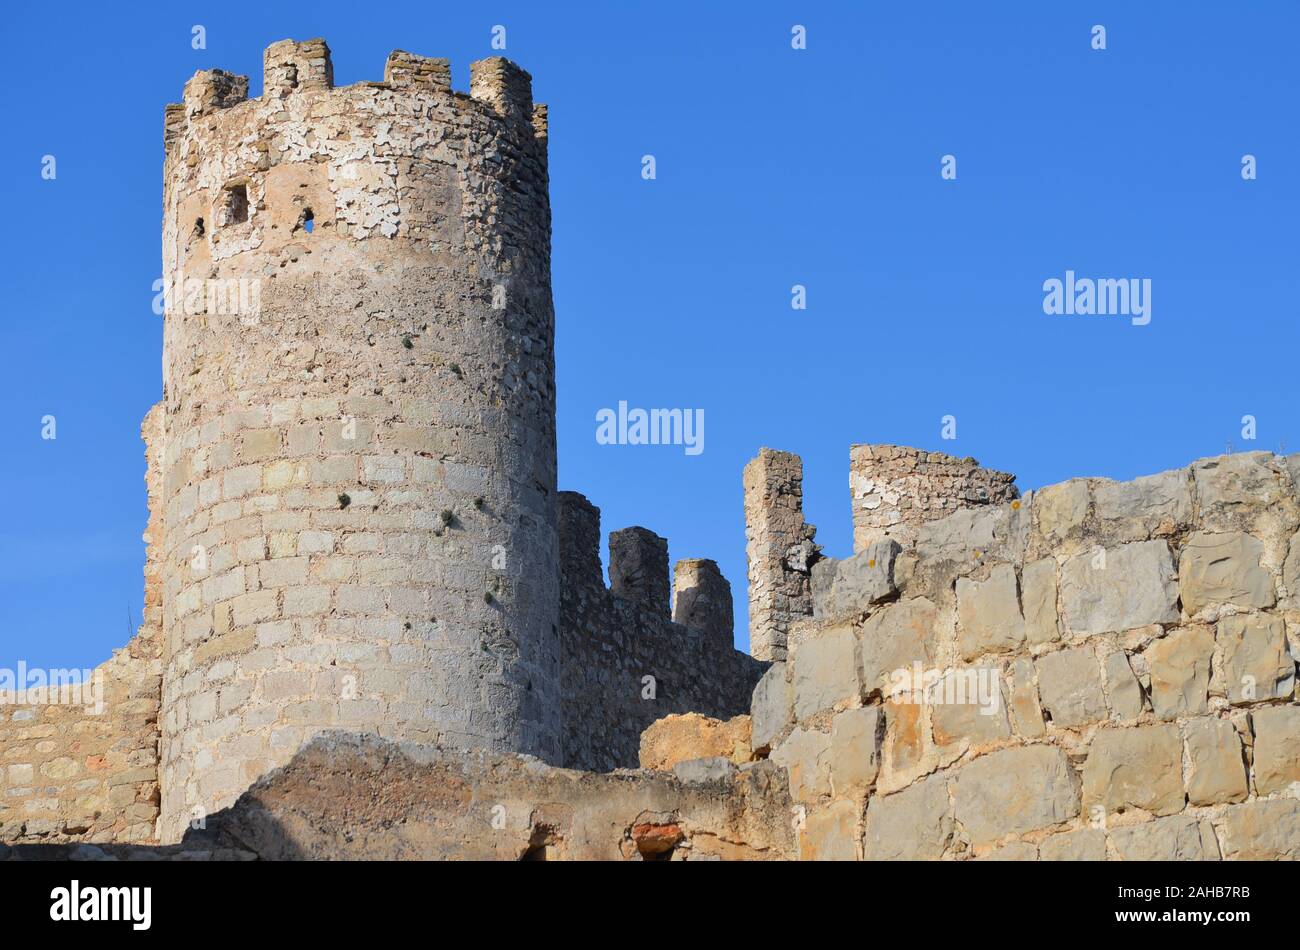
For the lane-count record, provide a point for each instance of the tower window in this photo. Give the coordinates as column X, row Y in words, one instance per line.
column 308, row 221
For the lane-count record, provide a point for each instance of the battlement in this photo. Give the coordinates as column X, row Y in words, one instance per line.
column 291, row 67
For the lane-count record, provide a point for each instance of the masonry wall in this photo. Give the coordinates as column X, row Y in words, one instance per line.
column 626, row 662
column 359, row 463
column 1140, row 639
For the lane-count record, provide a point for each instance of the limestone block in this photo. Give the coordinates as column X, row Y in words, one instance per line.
column 830, row 833
column 1014, row 791
column 967, row 705
column 1291, row 567
column 912, row 825
column 680, row 738
column 989, row 614
column 771, row 709
column 856, row 735
column 1257, row 664
column 1119, row 588
column 825, row 671
column 1026, row 712
column 714, row 768
column 1122, row 687
column 1015, row 851
column 1217, row 771
column 896, row 637
column 1060, row 510
column 1135, row 768
column 805, row 755
column 1223, row 568
column 1038, row 592
column 1261, row 830
column 1244, row 491
column 1180, row 672
column 1178, row 838
column 1084, row 844
column 1069, row 686
column 857, row 582
column 1155, row 505
column 1277, row 749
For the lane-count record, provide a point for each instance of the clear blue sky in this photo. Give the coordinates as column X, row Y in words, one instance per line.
column 775, row 167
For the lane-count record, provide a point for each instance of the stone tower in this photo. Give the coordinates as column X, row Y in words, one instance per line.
column 358, row 429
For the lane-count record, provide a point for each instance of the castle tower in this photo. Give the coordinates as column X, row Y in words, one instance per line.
column 358, row 436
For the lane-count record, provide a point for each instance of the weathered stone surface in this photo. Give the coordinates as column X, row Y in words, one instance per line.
column 1084, row 844
column 912, row 825
column 805, row 755
column 1069, row 687
column 1060, row 510
column 830, row 833
column 967, row 705
column 1277, row 748
column 1119, row 588
column 1235, row 492
column 1262, row 831
column 1026, row 713
column 1180, row 672
column 1257, row 663
column 1015, row 790
column 1135, row 768
column 1038, row 592
column 772, row 708
column 896, row 637
column 1122, row 687
column 1217, row 771
column 857, row 582
column 1154, row 505
column 989, row 614
column 825, row 671
column 714, row 768
column 1223, row 568
column 1178, row 838
column 681, row 738
column 1291, row 567
column 1015, row 851
column 856, row 735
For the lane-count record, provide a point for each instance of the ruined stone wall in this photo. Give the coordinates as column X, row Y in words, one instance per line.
column 896, row 489
column 359, row 461
column 626, row 662
column 81, row 763
column 1107, row 670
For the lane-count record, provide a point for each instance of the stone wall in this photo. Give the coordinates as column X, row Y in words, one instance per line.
column 1096, row 670
column 896, row 489
column 626, row 663
column 358, row 473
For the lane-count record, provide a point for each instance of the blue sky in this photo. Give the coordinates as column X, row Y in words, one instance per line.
column 775, row 167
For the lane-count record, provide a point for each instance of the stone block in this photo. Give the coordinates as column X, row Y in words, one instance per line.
column 989, row 614
column 1069, row 687
column 858, row 582
column 1180, row 672
column 1026, row 712
column 1122, row 687
column 1151, row 506
column 1014, row 791
column 830, row 833
column 966, row 704
column 1216, row 769
column 771, row 708
column 805, row 755
column 1277, row 749
column 1261, row 831
column 1223, row 568
column 856, row 735
column 1135, row 768
column 1179, row 838
column 895, row 638
column 1119, row 588
column 912, row 825
column 681, row 738
column 1084, row 844
column 825, row 671
column 1038, row 593
column 1257, row 664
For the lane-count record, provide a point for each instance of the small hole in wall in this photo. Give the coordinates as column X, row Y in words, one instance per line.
column 308, row 221
column 236, row 204
column 198, row 227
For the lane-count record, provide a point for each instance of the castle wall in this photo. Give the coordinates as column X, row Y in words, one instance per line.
column 896, row 490
column 1106, row 670
column 359, row 461
column 626, row 663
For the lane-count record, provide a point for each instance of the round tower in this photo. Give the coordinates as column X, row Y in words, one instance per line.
column 358, row 462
